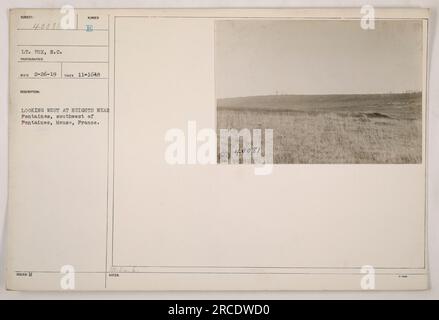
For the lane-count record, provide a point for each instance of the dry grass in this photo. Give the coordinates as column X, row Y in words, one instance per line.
column 359, row 136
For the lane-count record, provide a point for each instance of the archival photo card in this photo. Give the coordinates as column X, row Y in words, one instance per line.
column 121, row 123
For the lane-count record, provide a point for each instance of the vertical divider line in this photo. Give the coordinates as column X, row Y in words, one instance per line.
column 108, row 147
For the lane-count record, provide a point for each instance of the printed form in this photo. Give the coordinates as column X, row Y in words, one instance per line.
column 114, row 184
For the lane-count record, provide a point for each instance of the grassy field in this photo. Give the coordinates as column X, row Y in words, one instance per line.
column 383, row 128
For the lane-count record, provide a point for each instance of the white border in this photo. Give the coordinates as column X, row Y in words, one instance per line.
column 433, row 139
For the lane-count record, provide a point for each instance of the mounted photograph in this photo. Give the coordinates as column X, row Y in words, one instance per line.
column 330, row 91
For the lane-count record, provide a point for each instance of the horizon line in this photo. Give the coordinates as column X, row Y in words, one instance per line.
column 324, row 94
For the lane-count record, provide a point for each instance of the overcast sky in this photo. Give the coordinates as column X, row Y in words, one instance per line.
column 316, row 57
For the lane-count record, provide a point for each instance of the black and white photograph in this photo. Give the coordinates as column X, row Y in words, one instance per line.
column 217, row 157
column 331, row 91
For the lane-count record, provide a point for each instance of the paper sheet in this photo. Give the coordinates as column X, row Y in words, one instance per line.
column 116, row 172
